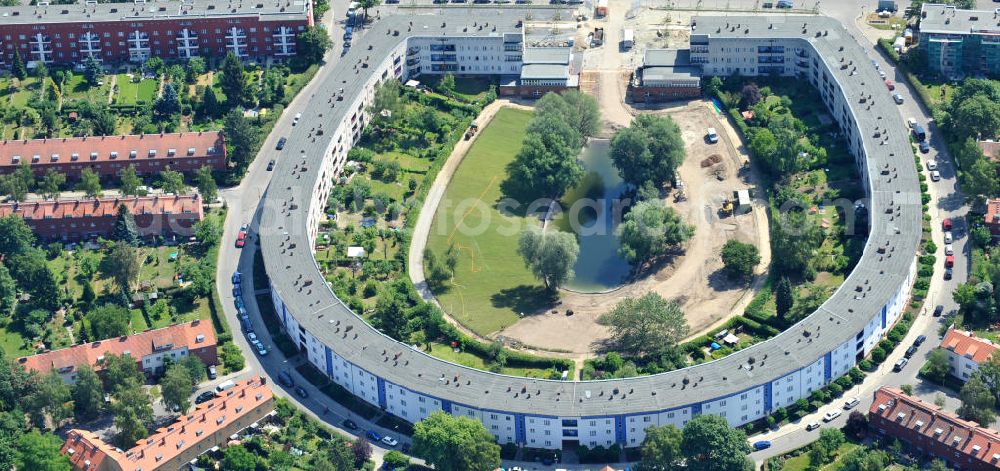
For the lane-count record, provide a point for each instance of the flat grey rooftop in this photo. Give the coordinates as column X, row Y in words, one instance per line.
column 546, row 55
column 163, row 9
column 670, row 73
column 888, row 256
column 938, row 18
column 666, row 57
column 544, row 71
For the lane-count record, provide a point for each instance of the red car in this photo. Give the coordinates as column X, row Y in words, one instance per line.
column 949, row 261
column 946, row 224
column 891, row 86
column 241, row 238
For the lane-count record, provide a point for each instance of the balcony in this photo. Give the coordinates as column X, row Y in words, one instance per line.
column 412, row 51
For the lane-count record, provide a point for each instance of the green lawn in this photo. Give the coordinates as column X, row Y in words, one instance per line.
column 491, row 284
column 801, row 462
column 130, row 93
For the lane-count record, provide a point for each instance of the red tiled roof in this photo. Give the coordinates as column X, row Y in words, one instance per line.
column 966, row 344
column 100, row 148
column 945, row 428
column 991, row 149
column 101, row 207
column 169, row 442
column 992, row 211
column 138, row 346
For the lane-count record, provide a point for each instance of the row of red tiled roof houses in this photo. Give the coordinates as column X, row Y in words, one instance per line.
column 210, row 426
column 108, row 156
column 926, row 428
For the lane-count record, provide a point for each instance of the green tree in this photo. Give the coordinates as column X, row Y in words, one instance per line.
column 107, row 321
column 208, row 231
column 830, row 440
column 313, row 43
column 8, row 293
column 132, row 410
column 15, row 236
column 437, row 437
column 977, row 402
column 784, row 297
column 125, row 229
column 546, row 166
column 123, row 264
column 362, row 450
column 40, row 452
column 447, row 84
column 88, row 296
column 978, row 115
column 172, row 181
column 209, row 107
column 231, row 357
column 234, row 82
column 646, row 325
column 796, row 238
column 989, row 374
column 50, row 398
column 206, row 185
column 88, row 394
column 238, row 458
column 105, row 122
column 740, row 258
column 51, row 183
column 18, row 184
column 242, row 138
column 195, row 67
column 121, row 372
column 154, row 65
column 549, row 255
column 865, row 459
column 176, row 386
column 90, row 183
column 938, row 366
column 17, row 67
column 390, row 314
column 661, row 448
column 92, row 71
column 650, row 231
column 34, row 275
column 168, row 104
column 650, row 149
column 395, row 460
column 710, row 444
column 130, row 181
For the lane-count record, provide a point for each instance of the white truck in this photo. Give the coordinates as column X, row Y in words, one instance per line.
column 628, row 39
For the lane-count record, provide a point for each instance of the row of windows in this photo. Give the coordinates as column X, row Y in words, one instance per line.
column 121, row 34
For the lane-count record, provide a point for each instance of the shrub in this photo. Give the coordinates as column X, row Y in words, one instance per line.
column 857, row 376
column 865, row 365
column 835, row 389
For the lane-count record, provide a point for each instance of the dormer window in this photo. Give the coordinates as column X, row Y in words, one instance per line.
column 55, row 157
column 15, row 159
column 152, row 153
column 35, row 158
column 93, row 155
column 74, row 157
column 171, row 152
column 114, row 155
column 190, row 150
column 132, row 154
column 211, row 150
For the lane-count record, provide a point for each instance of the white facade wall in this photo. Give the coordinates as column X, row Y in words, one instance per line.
column 501, row 425
column 465, row 55
column 739, row 408
column 598, row 431
column 962, row 366
column 842, row 359
column 543, row 432
column 407, row 404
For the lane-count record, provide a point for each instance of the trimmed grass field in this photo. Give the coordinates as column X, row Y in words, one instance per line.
column 130, row 93
column 491, row 285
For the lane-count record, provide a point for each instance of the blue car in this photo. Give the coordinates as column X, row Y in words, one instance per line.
column 237, row 276
column 374, row 436
column 237, row 292
column 762, row 445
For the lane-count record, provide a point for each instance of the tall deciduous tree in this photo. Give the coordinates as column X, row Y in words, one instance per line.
column 176, row 386
column 549, row 255
column 977, row 402
column 784, row 297
column 661, row 448
column 710, row 444
column 206, row 184
column 88, row 394
column 15, row 236
column 650, row 149
column 313, row 43
column 124, row 263
column 107, row 321
column 938, row 365
column 740, row 258
column 796, row 238
column 90, row 183
column 646, row 325
column 650, row 231
column 125, row 229
column 38, row 451
column 8, row 293
column 33, row 274
column 242, row 138
column 172, row 181
column 130, row 181
column 51, row 183
column 50, row 398
column 454, row 443
column 547, row 165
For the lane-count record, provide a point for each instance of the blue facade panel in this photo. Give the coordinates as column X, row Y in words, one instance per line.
column 883, row 317
column 381, row 393
column 696, row 409
column 519, row 433
column 621, row 436
column 767, row 398
column 329, row 361
column 827, row 366
column 446, row 406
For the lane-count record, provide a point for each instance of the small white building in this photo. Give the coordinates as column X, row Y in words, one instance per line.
column 355, row 252
column 966, row 352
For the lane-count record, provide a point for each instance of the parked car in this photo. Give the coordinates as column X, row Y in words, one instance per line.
column 225, row 386
column 241, row 239
column 949, row 249
column 390, row 441
column 851, row 403
column 898, row 98
column 900, row 365
column 212, row 373
column 881, row 73
column 947, row 273
column 948, row 238
column 891, row 86
column 924, row 147
column 203, row 397
column 295, row 121
column 763, row 444
column 349, row 425
column 712, row 136
column 910, row 351
column 935, row 176
column 831, row 414
column 374, row 436
column 261, row 349
column 949, row 261
column 285, row 379
column 812, row 426
column 270, row 165
column 237, row 277
column 938, row 310
column 301, row 392
column 946, row 224
column 931, row 165
column 919, row 340
column 786, row 4
column 919, row 133
column 911, row 122
column 281, row 143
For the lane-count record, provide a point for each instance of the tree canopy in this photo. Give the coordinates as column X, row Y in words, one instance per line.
column 661, row 448
column 234, row 83
column 550, row 255
column 650, row 150
column 646, row 325
column 439, row 436
column 125, row 229
column 711, row 445
column 740, row 258
column 107, row 321
column 651, row 230
column 313, row 44
column 796, row 238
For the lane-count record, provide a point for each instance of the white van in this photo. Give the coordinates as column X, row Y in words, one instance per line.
column 225, row 385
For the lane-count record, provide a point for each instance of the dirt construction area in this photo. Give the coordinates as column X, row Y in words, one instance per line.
column 696, row 279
